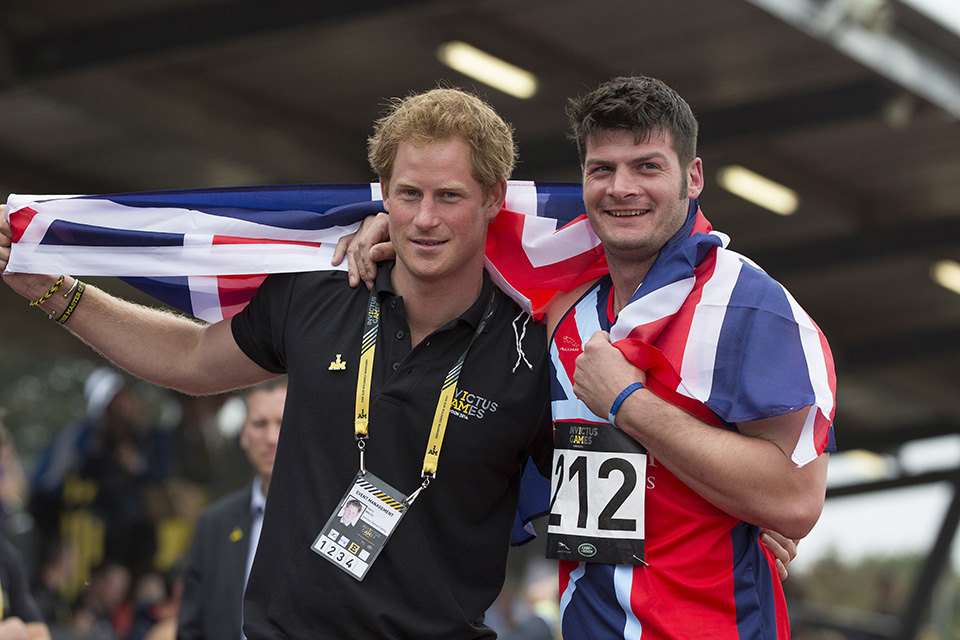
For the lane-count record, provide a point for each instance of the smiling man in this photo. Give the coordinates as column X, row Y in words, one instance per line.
column 440, row 488
column 707, row 435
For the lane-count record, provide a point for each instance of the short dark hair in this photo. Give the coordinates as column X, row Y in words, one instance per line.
column 645, row 106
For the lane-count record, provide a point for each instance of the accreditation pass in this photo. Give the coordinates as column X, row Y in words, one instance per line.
column 361, row 525
column 597, row 495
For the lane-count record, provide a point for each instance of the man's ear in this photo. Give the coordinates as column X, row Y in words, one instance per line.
column 495, row 199
column 384, row 194
column 695, row 178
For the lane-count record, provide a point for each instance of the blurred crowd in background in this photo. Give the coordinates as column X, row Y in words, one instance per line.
column 103, row 512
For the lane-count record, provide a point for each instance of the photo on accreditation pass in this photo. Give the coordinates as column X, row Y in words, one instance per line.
column 361, row 526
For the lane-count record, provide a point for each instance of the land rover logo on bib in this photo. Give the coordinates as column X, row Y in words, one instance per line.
column 587, row 550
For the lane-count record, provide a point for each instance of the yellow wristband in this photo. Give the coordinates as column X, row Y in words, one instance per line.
column 46, row 296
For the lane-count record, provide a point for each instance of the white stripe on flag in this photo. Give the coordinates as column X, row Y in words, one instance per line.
column 544, row 245
column 522, row 197
column 241, row 259
column 700, row 353
column 205, row 298
column 806, row 449
column 816, row 360
column 653, row 306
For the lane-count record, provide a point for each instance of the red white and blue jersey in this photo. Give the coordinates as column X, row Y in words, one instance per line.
column 708, row 576
column 720, row 338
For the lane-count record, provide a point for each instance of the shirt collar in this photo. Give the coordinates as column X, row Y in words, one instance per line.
column 257, row 499
column 471, row 316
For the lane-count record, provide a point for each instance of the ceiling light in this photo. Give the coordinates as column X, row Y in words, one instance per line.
column 867, row 464
column 946, row 273
column 758, row 190
column 943, row 11
column 488, row 69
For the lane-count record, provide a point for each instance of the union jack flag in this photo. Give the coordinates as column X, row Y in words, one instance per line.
column 205, row 251
column 710, row 327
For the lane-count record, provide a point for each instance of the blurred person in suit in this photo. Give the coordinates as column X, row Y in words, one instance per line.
column 225, row 541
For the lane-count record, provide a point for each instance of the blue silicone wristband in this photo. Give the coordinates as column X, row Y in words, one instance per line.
column 630, row 388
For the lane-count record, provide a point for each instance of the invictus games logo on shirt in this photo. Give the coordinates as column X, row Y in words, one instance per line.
column 470, row 405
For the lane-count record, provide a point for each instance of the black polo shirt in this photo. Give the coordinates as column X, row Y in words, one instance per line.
column 445, row 563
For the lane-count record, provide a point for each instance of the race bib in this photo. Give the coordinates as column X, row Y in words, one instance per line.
column 597, row 504
column 360, row 527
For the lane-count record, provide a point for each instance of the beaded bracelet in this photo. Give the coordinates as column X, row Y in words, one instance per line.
column 630, row 388
column 73, row 303
column 46, row 296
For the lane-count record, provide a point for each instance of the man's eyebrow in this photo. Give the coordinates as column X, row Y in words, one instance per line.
column 450, row 186
column 655, row 155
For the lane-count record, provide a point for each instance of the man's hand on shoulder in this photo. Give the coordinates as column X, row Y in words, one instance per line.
column 363, row 249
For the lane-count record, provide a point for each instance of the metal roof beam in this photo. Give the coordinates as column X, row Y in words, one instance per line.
column 890, row 52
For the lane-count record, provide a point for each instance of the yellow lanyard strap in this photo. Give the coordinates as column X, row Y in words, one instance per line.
column 368, row 345
column 447, row 392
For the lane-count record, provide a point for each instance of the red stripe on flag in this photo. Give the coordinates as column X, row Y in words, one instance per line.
column 504, row 249
column 236, row 291
column 20, row 220
column 671, row 333
column 701, row 224
column 239, row 240
column 647, row 357
column 822, row 424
